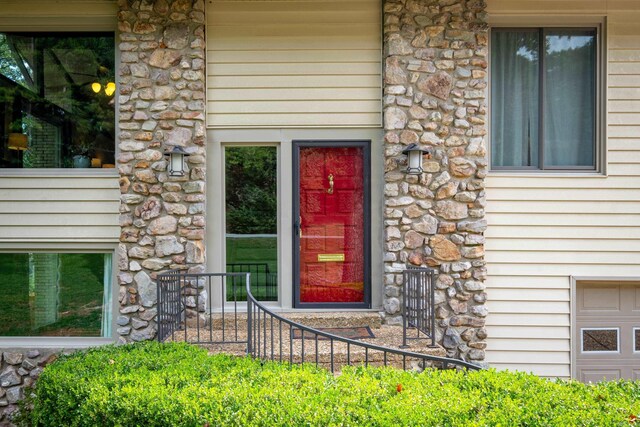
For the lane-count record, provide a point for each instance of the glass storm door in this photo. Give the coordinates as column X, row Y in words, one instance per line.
column 331, row 225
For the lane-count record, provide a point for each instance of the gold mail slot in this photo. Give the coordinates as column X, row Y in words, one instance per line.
column 330, row 257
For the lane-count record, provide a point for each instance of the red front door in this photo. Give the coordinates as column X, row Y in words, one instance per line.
column 331, row 225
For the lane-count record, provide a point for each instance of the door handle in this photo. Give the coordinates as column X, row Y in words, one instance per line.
column 330, row 190
column 298, row 227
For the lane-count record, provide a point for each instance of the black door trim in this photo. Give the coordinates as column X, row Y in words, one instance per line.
column 366, row 146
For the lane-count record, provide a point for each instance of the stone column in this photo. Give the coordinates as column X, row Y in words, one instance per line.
column 161, row 105
column 434, row 86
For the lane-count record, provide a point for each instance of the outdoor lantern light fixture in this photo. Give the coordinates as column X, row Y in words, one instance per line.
column 414, row 163
column 176, row 161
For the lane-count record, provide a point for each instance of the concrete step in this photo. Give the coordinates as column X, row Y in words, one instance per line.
column 334, row 319
column 276, row 339
column 278, row 342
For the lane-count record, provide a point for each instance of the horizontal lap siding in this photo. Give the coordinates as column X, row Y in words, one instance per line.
column 59, row 209
column 542, row 230
column 68, row 15
column 306, row 63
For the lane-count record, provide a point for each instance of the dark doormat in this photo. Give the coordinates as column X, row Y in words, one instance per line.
column 354, row 333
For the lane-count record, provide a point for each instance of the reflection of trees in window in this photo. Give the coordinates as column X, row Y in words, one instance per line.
column 11, row 65
column 55, row 294
column 46, row 96
column 251, row 180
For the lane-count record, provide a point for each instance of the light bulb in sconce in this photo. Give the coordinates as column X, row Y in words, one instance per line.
column 96, row 87
column 414, row 159
column 176, row 157
column 110, row 88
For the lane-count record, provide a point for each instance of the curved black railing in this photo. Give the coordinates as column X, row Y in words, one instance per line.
column 186, row 303
column 265, row 341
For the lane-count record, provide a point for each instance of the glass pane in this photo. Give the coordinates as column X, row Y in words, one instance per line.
column 599, row 340
column 514, row 98
column 570, row 98
column 50, row 294
column 636, row 339
column 251, row 220
column 331, row 225
column 57, row 100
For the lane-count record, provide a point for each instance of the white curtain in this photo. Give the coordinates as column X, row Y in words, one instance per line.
column 514, row 98
column 569, row 101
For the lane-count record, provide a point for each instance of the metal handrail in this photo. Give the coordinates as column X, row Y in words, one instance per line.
column 418, row 308
column 172, row 307
column 251, row 340
column 172, row 317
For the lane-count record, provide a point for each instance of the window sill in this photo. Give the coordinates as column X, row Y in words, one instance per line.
column 52, row 342
column 59, row 173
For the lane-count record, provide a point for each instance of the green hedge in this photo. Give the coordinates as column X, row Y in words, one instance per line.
column 154, row 384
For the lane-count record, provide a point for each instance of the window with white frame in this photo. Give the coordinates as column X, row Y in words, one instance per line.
column 49, row 294
column 600, row 340
column 544, row 98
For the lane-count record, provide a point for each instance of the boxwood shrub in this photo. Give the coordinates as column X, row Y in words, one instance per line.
column 153, row 384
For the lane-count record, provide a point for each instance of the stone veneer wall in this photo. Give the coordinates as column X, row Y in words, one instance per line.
column 434, row 86
column 161, row 105
column 19, row 368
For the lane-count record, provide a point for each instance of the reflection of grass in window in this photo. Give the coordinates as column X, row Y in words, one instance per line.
column 81, row 292
column 14, row 294
column 254, row 250
column 80, row 296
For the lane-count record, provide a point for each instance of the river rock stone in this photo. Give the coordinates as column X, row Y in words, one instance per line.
column 394, row 118
column 145, row 334
column 163, row 225
column 426, row 225
column 13, row 358
column 413, row 239
column 176, row 36
column 147, row 289
column 451, row 210
column 164, row 58
column 438, row 85
column 394, row 73
column 14, row 394
column 444, row 249
column 9, row 377
column 461, row 167
column 168, row 245
column 195, row 252
column 451, row 338
column 179, row 137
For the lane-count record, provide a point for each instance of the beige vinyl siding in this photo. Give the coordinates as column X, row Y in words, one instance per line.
column 545, row 228
column 58, row 15
column 294, row 63
column 59, row 209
